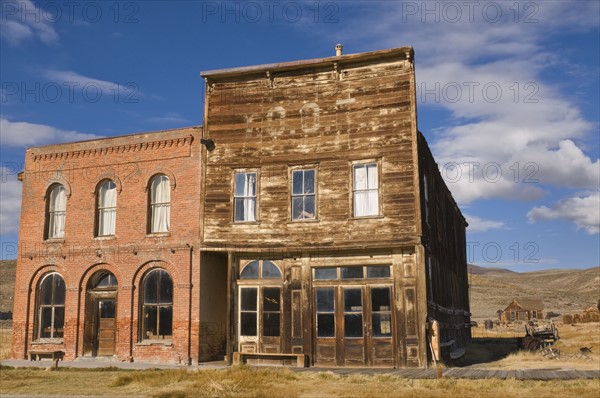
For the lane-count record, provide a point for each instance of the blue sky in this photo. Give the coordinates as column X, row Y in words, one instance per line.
column 508, row 95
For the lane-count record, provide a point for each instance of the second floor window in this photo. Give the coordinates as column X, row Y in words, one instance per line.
column 303, row 194
column 365, row 189
column 245, row 197
column 107, row 208
column 57, row 210
column 160, row 204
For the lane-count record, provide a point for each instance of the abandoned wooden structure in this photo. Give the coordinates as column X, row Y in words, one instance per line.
column 312, row 228
column 324, row 204
column 523, row 310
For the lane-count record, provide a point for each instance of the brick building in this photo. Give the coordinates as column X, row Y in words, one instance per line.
column 314, row 228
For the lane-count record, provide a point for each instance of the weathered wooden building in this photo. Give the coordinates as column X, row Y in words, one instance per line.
column 340, row 240
column 523, row 310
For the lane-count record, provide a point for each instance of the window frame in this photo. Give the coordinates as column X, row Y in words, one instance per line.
column 352, row 190
column 143, row 333
column 152, row 205
column 52, row 306
column 315, row 193
column 100, row 210
column 256, row 172
column 51, row 213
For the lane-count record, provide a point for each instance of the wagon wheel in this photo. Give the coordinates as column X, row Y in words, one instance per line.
column 534, row 345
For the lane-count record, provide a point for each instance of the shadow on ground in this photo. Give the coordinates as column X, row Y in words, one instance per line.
column 484, row 350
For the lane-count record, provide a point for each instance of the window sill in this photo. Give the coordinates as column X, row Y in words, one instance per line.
column 39, row 342
column 309, row 220
column 106, row 237
column 146, row 343
column 54, row 240
column 158, row 235
column 367, row 217
column 246, row 223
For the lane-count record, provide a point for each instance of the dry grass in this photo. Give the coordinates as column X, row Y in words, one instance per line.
column 252, row 382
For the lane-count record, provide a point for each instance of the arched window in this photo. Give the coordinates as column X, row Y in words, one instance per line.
column 51, row 311
column 263, row 269
column 160, row 204
column 157, row 307
column 107, row 208
column 57, row 210
column 105, row 280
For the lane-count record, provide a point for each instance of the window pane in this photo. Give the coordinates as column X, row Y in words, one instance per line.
column 325, row 325
column 271, row 324
column 240, row 180
column 165, row 289
column 107, row 309
column 248, row 323
column 248, row 299
column 380, row 299
column 297, row 208
column 59, row 290
column 352, row 272
column 309, row 181
column 378, row 272
column 59, row 322
column 107, row 280
column 271, row 299
column 325, row 300
column 45, row 322
column 250, row 271
column 353, row 325
column 150, row 320
column 353, row 300
column 46, row 290
column 372, row 176
column 325, row 273
column 382, row 325
column 165, row 327
column 297, row 182
column 250, row 187
column 270, row 270
column 309, row 207
column 151, row 288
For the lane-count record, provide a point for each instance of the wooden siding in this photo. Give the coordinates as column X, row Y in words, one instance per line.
column 322, row 119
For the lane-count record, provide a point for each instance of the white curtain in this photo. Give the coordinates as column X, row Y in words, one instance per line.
column 161, row 204
column 366, row 193
column 57, row 211
column 250, row 197
column 107, row 209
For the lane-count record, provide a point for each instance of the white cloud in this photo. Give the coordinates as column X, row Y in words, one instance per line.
column 584, row 211
column 24, row 134
column 10, row 201
column 477, row 224
column 96, row 88
column 170, row 117
column 23, row 20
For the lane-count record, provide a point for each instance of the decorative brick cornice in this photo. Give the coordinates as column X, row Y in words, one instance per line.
column 133, row 147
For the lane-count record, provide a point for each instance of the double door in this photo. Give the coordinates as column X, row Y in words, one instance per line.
column 354, row 325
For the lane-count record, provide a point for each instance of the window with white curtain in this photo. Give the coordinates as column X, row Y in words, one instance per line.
column 107, row 208
column 365, row 189
column 57, row 211
column 160, row 204
column 245, row 197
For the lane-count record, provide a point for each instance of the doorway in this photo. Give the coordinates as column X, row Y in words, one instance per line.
column 100, row 334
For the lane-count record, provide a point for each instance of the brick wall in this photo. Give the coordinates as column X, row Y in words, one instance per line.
column 130, row 161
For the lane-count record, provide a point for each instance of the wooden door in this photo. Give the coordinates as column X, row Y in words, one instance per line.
column 354, row 326
column 106, row 327
column 260, row 319
column 380, row 326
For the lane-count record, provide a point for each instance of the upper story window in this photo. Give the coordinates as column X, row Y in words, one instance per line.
column 303, row 195
column 245, row 197
column 57, row 211
column 51, row 307
column 107, row 209
column 160, row 204
column 365, row 189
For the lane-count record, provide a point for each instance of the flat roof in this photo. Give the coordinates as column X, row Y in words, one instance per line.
column 406, row 52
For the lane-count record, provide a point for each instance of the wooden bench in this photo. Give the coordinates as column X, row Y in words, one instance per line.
column 35, row 355
column 239, row 358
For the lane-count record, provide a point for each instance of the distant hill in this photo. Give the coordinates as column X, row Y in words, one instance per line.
column 8, row 269
column 564, row 291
